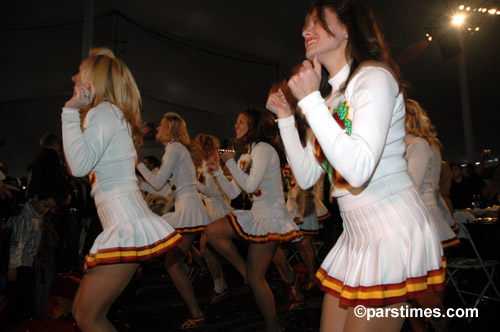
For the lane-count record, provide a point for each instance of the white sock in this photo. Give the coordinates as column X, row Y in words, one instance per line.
column 218, row 287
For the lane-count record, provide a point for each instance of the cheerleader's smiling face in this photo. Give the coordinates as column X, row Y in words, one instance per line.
column 321, row 42
column 241, row 126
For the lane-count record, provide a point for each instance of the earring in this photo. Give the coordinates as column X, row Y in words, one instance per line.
column 346, row 36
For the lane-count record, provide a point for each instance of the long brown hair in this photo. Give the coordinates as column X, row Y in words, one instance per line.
column 114, row 83
column 261, row 128
column 203, row 146
column 366, row 41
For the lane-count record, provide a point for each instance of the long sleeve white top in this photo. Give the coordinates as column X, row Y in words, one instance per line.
column 259, row 173
column 369, row 154
column 230, row 188
column 102, row 148
column 176, row 171
column 435, row 167
column 207, row 186
column 419, row 157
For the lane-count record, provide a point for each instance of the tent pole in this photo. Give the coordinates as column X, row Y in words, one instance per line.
column 88, row 27
column 466, row 109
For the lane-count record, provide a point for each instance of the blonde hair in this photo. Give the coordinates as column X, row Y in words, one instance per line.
column 417, row 123
column 177, row 130
column 113, row 82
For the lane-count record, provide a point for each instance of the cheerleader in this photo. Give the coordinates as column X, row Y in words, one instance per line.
column 177, row 174
column 387, row 253
column 206, row 147
column 424, row 166
column 257, row 171
column 101, row 127
column 307, row 209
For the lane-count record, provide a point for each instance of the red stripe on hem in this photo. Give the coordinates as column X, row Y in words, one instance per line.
column 375, row 302
column 233, row 221
column 450, row 243
column 191, row 230
column 173, row 240
column 309, row 232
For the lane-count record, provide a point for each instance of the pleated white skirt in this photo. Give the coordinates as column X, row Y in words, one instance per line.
column 388, row 253
column 131, row 232
column 190, row 215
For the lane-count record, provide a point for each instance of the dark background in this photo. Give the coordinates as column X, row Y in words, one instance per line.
column 209, row 60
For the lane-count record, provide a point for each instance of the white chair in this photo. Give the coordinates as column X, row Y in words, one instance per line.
column 456, row 265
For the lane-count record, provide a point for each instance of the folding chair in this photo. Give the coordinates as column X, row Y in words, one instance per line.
column 455, row 265
column 295, row 255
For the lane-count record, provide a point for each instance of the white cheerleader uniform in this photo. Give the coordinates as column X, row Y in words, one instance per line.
column 388, row 252
column 422, row 169
column 104, row 149
column 177, row 174
column 216, row 205
column 259, row 174
column 304, row 205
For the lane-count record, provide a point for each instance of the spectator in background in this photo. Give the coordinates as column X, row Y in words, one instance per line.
column 476, row 182
column 445, row 184
column 44, row 264
column 24, row 247
column 49, row 174
column 460, row 191
column 11, row 195
column 47, row 171
column 492, row 177
column 5, row 188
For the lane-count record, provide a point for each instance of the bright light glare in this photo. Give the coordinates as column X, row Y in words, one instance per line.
column 458, row 19
column 492, row 11
column 467, row 9
column 461, row 7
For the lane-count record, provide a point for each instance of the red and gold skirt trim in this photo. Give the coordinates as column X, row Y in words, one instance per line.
column 309, row 232
column 191, row 230
column 132, row 254
column 286, row 237
column 385, row 294
column 450, row 243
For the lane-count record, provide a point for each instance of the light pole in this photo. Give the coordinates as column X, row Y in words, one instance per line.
column 458, row 20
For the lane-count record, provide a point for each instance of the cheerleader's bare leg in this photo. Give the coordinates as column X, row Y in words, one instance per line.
column 336, row 318
column 213, row 264
column 220, row 234
column 259, row 258
column 433, row 300
column 306, row 251
column 287, row 274
column 98, row 289
column 174, row 260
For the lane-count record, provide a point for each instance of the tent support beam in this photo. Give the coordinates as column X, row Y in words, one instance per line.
column 88, row 27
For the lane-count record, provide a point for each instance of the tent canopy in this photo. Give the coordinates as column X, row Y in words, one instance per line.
column 209, row 60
